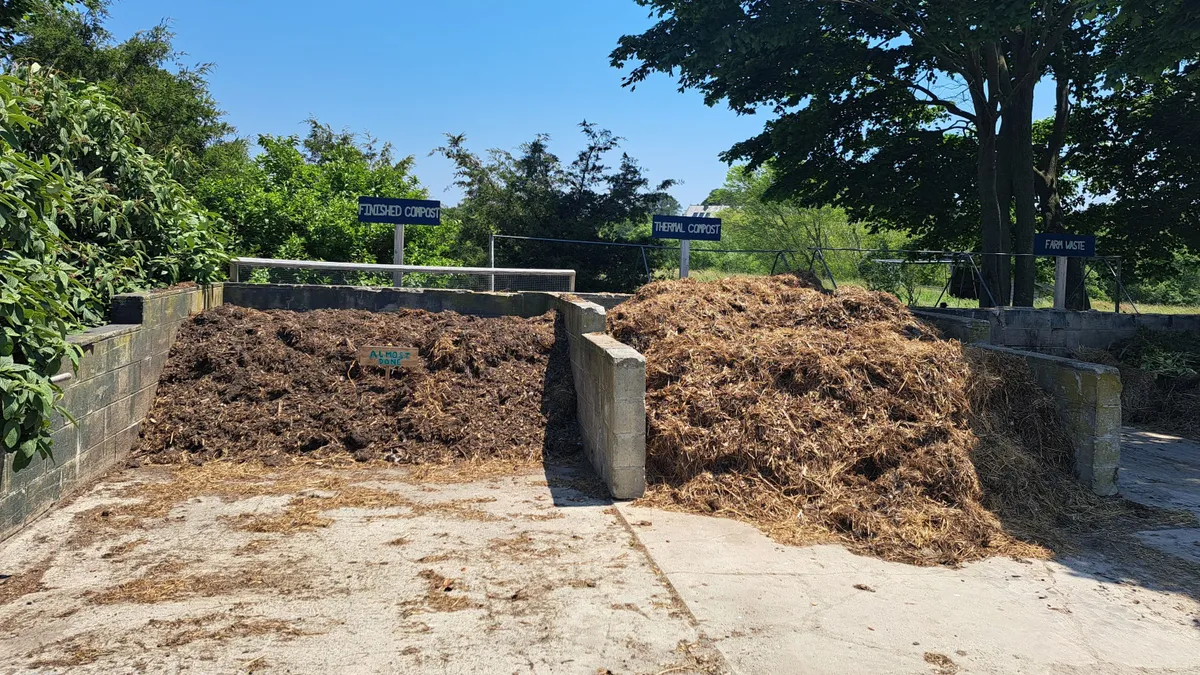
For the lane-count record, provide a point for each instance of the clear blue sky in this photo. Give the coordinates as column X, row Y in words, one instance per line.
column 410, row 71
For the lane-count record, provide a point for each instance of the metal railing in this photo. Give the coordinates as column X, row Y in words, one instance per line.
column 906, row 273
column 397, row 271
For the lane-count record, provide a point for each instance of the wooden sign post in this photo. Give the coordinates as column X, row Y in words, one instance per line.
column 390, row 358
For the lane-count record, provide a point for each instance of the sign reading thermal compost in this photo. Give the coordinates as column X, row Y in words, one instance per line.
column 683, row 227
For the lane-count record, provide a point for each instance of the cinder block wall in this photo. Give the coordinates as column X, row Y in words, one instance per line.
column 965, row 329
column 307, row 298
column 1060, row 332
column 1089, row 402
column 610, row 392
column 108, row 397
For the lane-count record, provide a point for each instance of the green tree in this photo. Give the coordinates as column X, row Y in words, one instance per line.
column 145, row 72
column 1135, row 149
column 846, row 77
column 84, row 213
column 533, row 193
column 298, row 199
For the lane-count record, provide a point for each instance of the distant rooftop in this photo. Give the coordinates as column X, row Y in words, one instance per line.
column 702, row 211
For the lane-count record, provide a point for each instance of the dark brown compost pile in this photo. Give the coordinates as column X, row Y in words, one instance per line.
column 245, row 385
column 839, row 417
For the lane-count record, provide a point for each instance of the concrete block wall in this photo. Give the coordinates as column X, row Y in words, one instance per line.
column 301, row 298
column 965, row 329
column 107, row 398
column 1089, row 402
column 610, row 392
column 1061, row 332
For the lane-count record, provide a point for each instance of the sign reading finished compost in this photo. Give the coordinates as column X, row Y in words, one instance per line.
column 399, row 211
column 682, row 227
column 389, row 357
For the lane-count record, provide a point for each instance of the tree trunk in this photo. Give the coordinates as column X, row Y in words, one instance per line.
column 993, row 231
column 1025, row 204
column 1004, row 180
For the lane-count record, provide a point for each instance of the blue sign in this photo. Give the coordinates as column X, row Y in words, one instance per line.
column 682, row 227
column 399, row 211
column 1065, row 245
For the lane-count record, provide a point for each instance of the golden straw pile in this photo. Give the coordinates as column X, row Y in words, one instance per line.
column 840, row 417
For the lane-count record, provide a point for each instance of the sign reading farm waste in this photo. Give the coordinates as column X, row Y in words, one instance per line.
column 389, row 357
column 683, row 227
column 399, row 211
column 1065, row 245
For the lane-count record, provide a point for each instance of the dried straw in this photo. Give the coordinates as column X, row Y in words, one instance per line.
column 840, row 417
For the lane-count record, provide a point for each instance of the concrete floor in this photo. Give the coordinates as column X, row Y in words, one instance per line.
column 501, row 575
column 534, row 573
column 1163, row 471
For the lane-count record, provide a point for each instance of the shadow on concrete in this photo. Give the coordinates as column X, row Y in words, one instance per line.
column 570, row 477
column 1158, row 546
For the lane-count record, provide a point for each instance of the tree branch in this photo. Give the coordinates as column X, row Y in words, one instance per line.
column 934, row 99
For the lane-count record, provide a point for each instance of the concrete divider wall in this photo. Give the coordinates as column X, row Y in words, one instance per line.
column 108, row 396
column 610, row 391
column 1059, row 331
column 1089, row 402
column 307, row 298
column 965, row 329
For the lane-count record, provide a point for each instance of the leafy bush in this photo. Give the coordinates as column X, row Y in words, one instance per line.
column 298, row 200
column 84, row 214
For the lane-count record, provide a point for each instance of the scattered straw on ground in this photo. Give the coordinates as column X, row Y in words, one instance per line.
column 173, row 580
column 15, row 586
column 220, row 626
column 314, row 490
column 246, row 385
column 840, row 417
column 442, row 595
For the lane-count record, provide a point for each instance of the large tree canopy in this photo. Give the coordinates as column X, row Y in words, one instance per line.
column 534, row 193
column 864, row 91
column 145, row 72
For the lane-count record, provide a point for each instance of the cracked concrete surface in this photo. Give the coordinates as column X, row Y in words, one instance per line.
column 534, row 573
column 516, row 576
column 776, row 609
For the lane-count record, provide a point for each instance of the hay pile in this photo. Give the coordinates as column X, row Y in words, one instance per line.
column 839, row 417
column 245, row 385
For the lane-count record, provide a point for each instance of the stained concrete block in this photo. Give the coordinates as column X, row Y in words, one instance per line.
column 1088, row 396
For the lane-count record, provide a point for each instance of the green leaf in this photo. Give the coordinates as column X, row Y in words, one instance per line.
column 11, row 434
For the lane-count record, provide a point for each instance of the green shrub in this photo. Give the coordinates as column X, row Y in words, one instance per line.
column 84, row 214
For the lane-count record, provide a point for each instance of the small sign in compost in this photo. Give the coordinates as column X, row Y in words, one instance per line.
column 389, row 357
column 686, row 229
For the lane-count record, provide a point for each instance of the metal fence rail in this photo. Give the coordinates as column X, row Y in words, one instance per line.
column 486, row 276
column 929, row 277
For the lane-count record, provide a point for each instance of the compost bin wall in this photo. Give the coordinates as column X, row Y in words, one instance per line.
column 610, row 394
column 108, row 396
column 1089, row 402
column 1055, row 331
column 610, row 377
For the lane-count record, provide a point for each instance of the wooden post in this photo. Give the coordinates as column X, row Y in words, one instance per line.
column 398, row 256
column 685, row 257
column 1060, row 283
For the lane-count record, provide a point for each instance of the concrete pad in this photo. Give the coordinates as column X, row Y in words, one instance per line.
column 501, row 575
column 1163, row 471
column 1160, row 470
column 776, row 609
